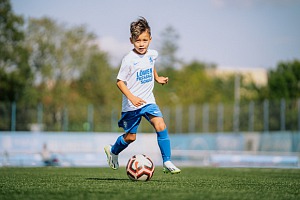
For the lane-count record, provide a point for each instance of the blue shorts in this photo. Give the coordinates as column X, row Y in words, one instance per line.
column 131, row 120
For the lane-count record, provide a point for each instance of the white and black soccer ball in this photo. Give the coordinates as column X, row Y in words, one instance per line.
column 140, row 168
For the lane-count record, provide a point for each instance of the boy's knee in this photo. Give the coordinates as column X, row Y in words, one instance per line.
column 129, row 137
column 129, row 140
column 158, row 123
column 160, row 126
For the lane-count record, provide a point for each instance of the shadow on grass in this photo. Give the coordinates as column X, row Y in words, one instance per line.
column 108, row 179
column 118, row 179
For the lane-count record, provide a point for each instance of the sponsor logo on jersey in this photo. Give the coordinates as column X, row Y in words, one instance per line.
column 144, row 75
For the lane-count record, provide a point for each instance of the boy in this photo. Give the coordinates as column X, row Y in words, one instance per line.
column 136, row 81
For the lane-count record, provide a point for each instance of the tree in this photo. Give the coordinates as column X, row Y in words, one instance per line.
column 168, row 48
column 193, row 84
column 68, row 67
column 96, row 82
column 58, row 53
column 284, row 81
column 195, row 77
column 15, row 74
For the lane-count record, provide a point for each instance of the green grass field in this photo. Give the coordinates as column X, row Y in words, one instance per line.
column 192, row 183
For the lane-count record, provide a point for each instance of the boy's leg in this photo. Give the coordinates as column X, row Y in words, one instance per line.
column 112, row 151
column 129, row 122
column 164, row 144
column 119, row 145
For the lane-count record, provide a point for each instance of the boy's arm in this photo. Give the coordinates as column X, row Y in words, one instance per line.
column 160, row 79
column 136, row 101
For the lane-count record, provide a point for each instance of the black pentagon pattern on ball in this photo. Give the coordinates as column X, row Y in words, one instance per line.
column 138, row 172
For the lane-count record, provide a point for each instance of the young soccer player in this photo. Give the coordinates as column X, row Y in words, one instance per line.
column 136, row 81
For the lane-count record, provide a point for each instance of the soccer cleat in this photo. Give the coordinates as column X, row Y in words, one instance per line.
column 169, row 167
column 112, row 159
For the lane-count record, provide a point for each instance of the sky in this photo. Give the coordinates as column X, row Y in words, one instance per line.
column 228, row 33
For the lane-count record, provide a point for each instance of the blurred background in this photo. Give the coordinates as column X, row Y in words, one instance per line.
column 233, row 98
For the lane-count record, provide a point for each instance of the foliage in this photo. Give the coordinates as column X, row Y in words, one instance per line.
column 284, row 81
column 15, row 74
column 62, row 67
column 97, row 81
column 58, row 53
column 168, row 48
column 195, row 83
column 69, row 68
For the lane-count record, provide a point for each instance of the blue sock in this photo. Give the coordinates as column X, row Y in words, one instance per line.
column 164, row 144
column 119, row 145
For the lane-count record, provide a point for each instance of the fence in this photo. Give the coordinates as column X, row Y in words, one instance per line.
column 276, row 149
column 263, row 116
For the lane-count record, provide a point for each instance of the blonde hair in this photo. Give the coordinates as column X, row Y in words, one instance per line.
column 138, row 27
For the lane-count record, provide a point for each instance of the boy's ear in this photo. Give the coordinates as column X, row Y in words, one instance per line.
column 131, row 40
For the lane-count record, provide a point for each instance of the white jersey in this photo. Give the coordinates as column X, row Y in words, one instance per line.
column 137, row 72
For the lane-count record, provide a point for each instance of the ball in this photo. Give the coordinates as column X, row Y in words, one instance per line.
column 140, row 168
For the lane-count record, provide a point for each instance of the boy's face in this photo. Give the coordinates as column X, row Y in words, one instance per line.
column 141, row 43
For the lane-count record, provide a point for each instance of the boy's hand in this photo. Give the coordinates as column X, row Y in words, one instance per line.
column 162, row 80
column 137, row 101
